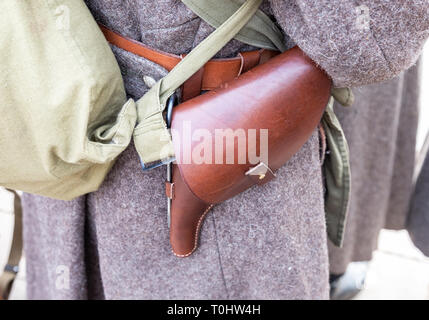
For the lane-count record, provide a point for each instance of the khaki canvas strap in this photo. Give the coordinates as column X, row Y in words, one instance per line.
column 11, row 269
column 150, row 113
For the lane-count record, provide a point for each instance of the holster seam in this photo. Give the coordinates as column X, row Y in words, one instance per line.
column 197, row 233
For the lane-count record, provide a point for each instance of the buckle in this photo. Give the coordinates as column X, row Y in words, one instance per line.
column 11, row 269
column 172, row 101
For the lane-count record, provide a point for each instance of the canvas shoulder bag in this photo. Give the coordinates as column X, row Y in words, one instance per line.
column 64, row 116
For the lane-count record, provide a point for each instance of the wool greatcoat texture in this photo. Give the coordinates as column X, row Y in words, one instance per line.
column 381, row 130
column 268, row 242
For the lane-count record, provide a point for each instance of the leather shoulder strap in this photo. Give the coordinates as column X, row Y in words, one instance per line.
column 11, row 269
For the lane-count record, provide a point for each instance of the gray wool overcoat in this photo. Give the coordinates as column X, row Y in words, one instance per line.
column 418, row 219
column 381, row 129
column 269, row 242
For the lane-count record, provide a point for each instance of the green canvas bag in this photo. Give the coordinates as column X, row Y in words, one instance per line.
column 64, row 117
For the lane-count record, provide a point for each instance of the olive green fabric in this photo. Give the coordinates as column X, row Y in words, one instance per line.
column 64, row 113
column 259, row 32
column 152, row 139
column 336, row 169
column 344, row 96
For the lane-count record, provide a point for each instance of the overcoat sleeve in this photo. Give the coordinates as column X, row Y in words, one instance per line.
column 357, row 42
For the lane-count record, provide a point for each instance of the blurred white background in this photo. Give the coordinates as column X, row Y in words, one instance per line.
column 397, row 271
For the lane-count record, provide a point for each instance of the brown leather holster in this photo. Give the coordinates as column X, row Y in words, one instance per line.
column 286, row 96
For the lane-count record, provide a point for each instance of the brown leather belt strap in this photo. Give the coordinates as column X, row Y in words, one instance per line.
column 11, row 269
column 166, row 60
column 211, row 76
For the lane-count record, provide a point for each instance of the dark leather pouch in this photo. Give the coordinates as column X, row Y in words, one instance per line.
column 286, row 96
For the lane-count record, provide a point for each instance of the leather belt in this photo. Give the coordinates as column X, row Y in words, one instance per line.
column 212, row 75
